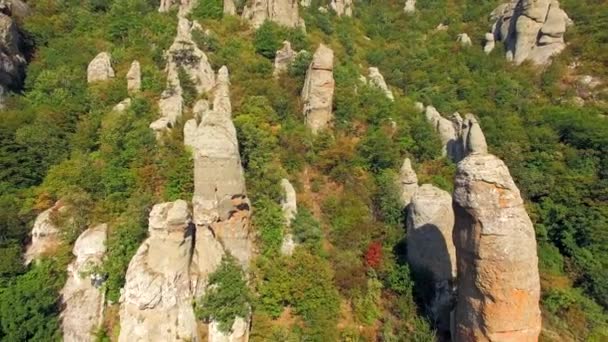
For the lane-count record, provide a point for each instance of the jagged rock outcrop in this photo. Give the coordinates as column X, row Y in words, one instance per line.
column 185, row 55
column 81, row 297
column 464, row 40
column 318, row 90
column 430, row 248
column 220, row 201
column 184, row 6
column 342, row 7
column 408, row 182
column 229, row 7
column 459, row 137
column 530, row 29
column 12, row 55
column 410, row 6
column 498, row 281
column 282, row 12
column 100, row 68
column 377, row 80
column 45, row 233
column 156, row 302
column 283, row 59
column 134, row 78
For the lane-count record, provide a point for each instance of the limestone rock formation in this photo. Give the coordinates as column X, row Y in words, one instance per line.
column 318, row 90
column 376, row 79
column 342, row 7
column 459, row 137
column 134, row 78
column 498, row 281
column 464, row 40
column 530, row 29
column 220, row 201
column 156, row 302
column 289, row 202
column 82, row 298
column 184, row 6
column 100, row 68
column 185, row 55
column 12, row 56
column 410, row 6
column 229, row 7
column 283, row 59
column 45, row 234
column 282, row 12
column 430, row 248
column 122, row 105
column 408, row 182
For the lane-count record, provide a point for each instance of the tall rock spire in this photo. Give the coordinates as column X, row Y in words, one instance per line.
column 318, row 90
column 498, row 281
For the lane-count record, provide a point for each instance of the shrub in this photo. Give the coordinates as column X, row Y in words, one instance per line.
column 209, row 9
column 267, row 39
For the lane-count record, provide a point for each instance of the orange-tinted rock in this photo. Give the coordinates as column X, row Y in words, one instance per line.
column 498, row 281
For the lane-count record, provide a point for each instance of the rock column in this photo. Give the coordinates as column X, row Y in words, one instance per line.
column 318, row 91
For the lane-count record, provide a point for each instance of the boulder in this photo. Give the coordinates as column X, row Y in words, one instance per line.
column 431, row 251
column 283, row 59
column 408, row 182
column 288, row 203
column 318, row 90
column 46, row 236
column 100, row 68
column 530, row 29
column 81, row 297
column 410, row 6
column 288, row 246
column 239, row 332
column 342, row 7
column 498, row 280
column 134, row 78
column 377, row 80
column 464, row 40
column 282, row 12
column 122, row 105
column 473, row 138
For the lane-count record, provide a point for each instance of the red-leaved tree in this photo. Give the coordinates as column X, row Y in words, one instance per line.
column 373, row 256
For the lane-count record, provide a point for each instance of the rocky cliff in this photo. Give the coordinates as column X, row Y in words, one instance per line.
column 530, row 29
column 318, row 90
column 12, row 47
column 498, row 281
column 45, row 235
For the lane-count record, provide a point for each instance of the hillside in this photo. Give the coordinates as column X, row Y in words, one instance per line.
column 270, row 170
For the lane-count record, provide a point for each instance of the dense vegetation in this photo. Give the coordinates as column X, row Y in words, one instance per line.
column 60, row 139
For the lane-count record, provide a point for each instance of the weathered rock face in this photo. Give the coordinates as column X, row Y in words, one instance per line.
column 185, row 55
column 122, row 105
column 100, row 68
column 134, row 78
column 45, row 234
column 12, row 56
column 498, row 281
column 282, row 12
column 430, row 248
column 410, row 6
column 184, row 6
column 459, row 137
column 156, row 303
column 81, row 297
column 318, row 91
column 376, row 79
column 408, row 182
column 342, row 7
column 531, row 30
column 283, row 59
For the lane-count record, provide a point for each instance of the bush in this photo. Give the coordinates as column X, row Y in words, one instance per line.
column 209, row 9
column 227, row 296
column 267, row 39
